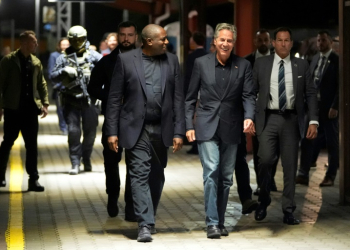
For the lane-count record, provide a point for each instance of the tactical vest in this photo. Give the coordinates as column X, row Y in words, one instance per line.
column 77, row 87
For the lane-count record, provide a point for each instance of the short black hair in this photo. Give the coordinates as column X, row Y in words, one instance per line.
column 280, row 29
column 127, row 24
column 198, row 38
column 262, row 30
column 325, row 32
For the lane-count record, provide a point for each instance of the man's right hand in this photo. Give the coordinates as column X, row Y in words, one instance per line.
column 113, row 143
column 190, row 135
column 72, row 72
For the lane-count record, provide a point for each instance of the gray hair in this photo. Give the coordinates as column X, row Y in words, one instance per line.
column 225, row 26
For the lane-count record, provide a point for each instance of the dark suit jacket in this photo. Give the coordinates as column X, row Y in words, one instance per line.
column 101, row 76
column 126, row 119
column 189, row 66
column 213, row 108
column 329, row 85
column 304, row 91
column 251, row 58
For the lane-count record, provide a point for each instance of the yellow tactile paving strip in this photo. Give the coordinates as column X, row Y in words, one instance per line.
column 71, row 213
column 14, row 232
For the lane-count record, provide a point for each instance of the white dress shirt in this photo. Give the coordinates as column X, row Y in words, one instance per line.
column 258, row 54
column 288, row 77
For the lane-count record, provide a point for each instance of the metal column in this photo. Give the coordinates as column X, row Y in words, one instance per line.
column 64, row 18
column 344, row 98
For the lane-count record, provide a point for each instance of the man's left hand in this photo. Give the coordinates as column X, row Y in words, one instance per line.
column 249, row 127
column 311, row 132
column 177, row 144
column 333, row 113
column 44, row 111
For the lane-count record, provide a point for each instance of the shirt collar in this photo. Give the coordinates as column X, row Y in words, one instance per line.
column 258, row 54
column 228, row 62
column 22, row 57
column 277, row 59
column 326, row 54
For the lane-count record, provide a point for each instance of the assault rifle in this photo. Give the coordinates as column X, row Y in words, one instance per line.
column 80, row 79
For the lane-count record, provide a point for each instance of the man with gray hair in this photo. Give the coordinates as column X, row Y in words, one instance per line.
column 226, row 91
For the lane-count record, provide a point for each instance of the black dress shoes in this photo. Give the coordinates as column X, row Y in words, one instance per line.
column 112, row 206
column 152, row 229
column 289, row 219
column 260, row 212
column 302, row 180
column 34, row 185
column 87, row 165
column 144, row 234
column 327, row 182
column 223, row 230
column 213, row 232
column 249, row 206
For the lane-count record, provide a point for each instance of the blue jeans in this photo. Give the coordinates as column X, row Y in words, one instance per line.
column 218, row 160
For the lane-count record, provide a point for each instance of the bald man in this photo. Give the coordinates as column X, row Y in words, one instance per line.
column 145, row 115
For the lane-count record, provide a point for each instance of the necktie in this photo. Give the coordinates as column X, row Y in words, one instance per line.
column 320, row 72
column 281, row 88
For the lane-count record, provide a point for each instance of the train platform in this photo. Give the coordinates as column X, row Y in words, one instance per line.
column 71, row 213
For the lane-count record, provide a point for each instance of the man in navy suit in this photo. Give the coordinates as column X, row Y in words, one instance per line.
column 226, row 89
column 325, row 73
column 145, row 115
column 285, row 88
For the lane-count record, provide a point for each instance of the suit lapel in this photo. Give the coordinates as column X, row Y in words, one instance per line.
column 233, row 75
column 139, row 68
column 211, row 72
column 295, row 75
column 314, row 64
column 328, row 62
column 268, row 77
column 164, row 69
column 211, row 67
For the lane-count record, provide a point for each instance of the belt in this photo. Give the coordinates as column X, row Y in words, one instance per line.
column 280, row 112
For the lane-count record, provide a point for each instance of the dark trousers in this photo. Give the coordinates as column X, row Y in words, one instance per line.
column 88, row 117
column 256, row 161
column 26, row 121
column 328, row 131
column 146, row 162
column 111, row 164
column 59, row 110
column 281, row 131
column 242, row 171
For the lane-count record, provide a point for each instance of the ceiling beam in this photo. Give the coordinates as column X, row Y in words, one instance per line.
column 134, row 6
